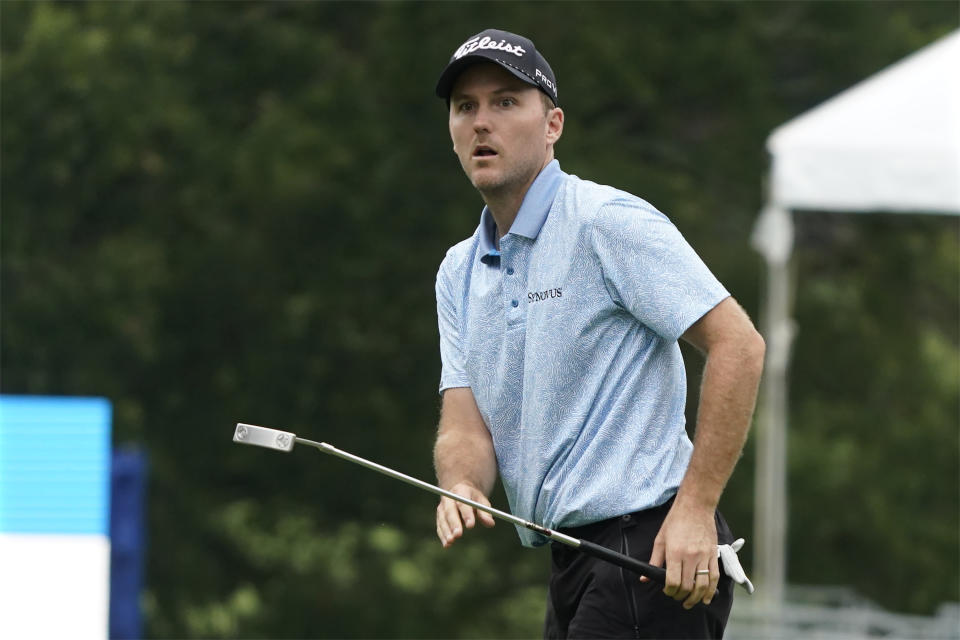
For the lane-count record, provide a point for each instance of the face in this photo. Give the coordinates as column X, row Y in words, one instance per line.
column 501, row 132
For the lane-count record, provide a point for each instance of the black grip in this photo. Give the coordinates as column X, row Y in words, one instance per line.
column 657, row 574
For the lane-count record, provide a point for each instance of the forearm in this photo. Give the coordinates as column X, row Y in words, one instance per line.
column 464, row 454
column 727, row 399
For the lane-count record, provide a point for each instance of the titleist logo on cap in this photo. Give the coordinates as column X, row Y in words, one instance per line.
column 486, row 42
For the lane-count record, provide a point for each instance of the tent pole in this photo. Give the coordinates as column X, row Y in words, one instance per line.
column 774, row 239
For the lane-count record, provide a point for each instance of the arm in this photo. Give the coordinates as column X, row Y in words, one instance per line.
column 465, row 463
column 688, row 538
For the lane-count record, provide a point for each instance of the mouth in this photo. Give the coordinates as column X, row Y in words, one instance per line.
column 483, row 151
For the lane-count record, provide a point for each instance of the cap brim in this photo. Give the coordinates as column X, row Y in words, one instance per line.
column 449, row 76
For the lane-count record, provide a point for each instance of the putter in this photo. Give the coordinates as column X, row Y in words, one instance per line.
column 284, row 441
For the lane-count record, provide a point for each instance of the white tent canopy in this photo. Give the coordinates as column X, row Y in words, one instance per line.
column 890, row 143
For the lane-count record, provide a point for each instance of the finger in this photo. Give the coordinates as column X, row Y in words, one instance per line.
column 467, row 514
column 685, row 567
column 454, row 523
column 486, row 519
column 442, row 531
column 443, row 535
column 701, row 581
column 673, row 585
column 656, row 557
column 714, row 579
column 688, row 579
column 451, row 520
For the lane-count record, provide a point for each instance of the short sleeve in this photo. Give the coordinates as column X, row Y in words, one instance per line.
column 453, row 365
column 651, row 270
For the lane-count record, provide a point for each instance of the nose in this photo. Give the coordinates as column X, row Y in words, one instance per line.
column 481, row 120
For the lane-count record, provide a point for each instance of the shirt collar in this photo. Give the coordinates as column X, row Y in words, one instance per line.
column 532, row 214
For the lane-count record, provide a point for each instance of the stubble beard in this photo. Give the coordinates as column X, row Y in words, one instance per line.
column 508, row 181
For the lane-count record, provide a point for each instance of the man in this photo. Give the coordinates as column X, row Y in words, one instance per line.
column 559, row 320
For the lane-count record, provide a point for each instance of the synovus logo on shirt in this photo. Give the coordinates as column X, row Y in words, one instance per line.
column 540, row 296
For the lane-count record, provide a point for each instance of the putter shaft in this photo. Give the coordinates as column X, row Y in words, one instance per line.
column 497, row 513
column 284, row 441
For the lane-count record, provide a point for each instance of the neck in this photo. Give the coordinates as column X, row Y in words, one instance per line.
column 504, row 204
column 504, row 209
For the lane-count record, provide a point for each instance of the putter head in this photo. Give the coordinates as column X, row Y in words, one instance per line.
column 264, row 437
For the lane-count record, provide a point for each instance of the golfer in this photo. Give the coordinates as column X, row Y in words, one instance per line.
column 559, row 325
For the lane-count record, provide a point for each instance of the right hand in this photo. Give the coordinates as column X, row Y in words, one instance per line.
column 453, row 517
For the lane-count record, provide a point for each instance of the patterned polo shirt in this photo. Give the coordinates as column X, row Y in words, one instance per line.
column 567, row 336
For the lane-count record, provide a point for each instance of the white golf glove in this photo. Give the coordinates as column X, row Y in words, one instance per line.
column 731, row 563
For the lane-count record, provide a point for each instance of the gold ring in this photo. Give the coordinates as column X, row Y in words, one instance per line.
column 703, row 572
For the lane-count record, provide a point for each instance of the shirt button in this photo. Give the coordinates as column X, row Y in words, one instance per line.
column 509, row 271
column 515, row 303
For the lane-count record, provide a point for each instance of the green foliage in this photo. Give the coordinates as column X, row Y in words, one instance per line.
column 355, row 580
column 215, row 212
column 874, row 421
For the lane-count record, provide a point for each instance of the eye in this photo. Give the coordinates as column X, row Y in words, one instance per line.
column 465, row 107
column 507, row 102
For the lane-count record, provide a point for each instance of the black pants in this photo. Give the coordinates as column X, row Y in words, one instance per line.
column 591, row 598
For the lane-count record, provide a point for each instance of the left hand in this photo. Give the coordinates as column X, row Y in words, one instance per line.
column 687, row 542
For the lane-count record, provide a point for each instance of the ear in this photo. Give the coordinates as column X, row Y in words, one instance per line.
column 554, row 125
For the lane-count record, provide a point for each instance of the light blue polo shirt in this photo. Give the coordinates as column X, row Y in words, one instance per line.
column 567, row 337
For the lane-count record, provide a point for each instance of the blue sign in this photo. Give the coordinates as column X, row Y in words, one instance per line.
column 54, row 465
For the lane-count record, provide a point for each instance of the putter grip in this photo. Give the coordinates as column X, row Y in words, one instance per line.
column 657, row 574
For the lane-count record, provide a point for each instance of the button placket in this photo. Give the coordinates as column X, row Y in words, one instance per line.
column 511, row 286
